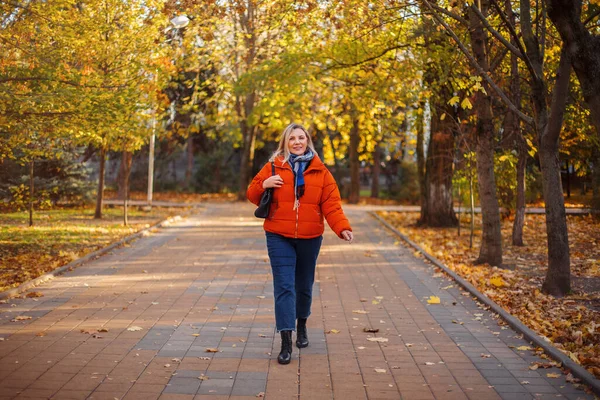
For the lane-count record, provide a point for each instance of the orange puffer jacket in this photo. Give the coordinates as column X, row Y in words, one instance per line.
column 321, row 199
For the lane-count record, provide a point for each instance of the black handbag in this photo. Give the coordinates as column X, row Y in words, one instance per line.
column 265, row 200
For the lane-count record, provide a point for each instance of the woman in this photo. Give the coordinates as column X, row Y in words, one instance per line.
column 304, row 192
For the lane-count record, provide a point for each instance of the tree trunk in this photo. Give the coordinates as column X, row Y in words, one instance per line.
column 491, row 242
column 421, row 156
column 100, row 194
column 519, row 222
column 190, row 162
column 583, row 49
column 31, row 163
column 438, row 210
column 126, row 163
column 249, row 134
column 376, row 171
column 596, row 179
column 558, row 277
column 354, row 195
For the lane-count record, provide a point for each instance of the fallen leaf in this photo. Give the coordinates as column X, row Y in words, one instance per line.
column 203, row 377
column 433, row 300
column 429, row 363
column 497, row 281
column 261, row 297
column 377, row 339
column 211, row 350
column 380, row 370
column 195, row 334
column 21, row 318
column 34, row 294
column 332, row 331
column 371, row 330
column 40, row 334
column 360, row 312
column 261, row 394
column 523, row 348
column 525, row 383
column 486, row 355
column 552, row 375
column 134, row 328
column 103, row 330
column 167, row 365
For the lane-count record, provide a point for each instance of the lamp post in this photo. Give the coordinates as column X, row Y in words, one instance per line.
column 178, row 22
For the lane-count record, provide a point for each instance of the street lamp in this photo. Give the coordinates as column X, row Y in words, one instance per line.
column 178, row 22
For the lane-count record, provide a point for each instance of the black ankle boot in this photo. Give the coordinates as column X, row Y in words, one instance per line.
column 285, row 356
column 301, row 334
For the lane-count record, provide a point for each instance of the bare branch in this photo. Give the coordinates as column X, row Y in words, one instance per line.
column 451, row 14
column 591, row 17
column 70, row 83
column 498, row 59
column 366, row 60
column 497, row 34
column 517, row 39
column 527, row 119
column 559, row 98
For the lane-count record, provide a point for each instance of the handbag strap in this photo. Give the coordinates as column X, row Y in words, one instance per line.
column 272, row 168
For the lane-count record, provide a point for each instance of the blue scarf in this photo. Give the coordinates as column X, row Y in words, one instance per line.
column 299, row 164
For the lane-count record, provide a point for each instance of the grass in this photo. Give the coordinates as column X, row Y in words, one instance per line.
column 61, row 236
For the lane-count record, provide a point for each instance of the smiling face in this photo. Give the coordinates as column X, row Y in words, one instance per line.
column 297, row 142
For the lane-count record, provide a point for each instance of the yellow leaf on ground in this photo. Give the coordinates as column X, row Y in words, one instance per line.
column 551, row 375
column 433, row 300
column 523, row 348
column 497, row 281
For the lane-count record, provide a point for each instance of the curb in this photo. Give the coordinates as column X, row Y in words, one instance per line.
column 577, row 370
column 88, row 257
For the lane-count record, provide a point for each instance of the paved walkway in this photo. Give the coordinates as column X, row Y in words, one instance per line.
column 143, row 322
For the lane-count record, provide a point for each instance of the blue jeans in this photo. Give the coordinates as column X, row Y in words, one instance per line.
column 293, row 263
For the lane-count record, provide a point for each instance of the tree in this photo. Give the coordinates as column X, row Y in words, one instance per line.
column 547, row 123
column 582, row 46
column 116, row 50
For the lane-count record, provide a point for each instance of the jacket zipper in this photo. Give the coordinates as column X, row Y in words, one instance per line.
column 296, row 232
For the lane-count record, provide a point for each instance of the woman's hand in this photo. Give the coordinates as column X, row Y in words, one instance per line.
column 273, row 181
column 348, row 236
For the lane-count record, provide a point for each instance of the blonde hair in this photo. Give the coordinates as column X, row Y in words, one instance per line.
column 283, row 150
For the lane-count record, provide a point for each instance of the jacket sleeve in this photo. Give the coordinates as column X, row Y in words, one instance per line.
column 255, row 189
column 331, row 206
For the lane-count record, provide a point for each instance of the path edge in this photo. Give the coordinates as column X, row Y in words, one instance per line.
column 88, row 257
column 576, row 369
